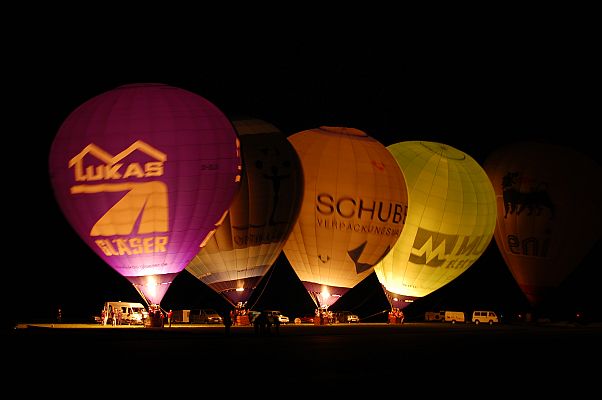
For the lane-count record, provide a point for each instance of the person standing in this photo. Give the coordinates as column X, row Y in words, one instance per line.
column 276, row 322
column 169, row 317
column 59, row 316
column 227, row 322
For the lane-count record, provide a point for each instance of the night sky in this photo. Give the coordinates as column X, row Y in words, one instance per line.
column 475, row 92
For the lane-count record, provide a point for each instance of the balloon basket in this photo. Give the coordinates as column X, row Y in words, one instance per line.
column 154, row 320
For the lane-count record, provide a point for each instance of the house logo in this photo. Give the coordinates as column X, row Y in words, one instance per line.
column 113, row 167
column 127, row 227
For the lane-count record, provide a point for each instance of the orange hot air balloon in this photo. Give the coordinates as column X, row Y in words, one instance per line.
column 261, row 217
column 353, row 210
column 548, row 212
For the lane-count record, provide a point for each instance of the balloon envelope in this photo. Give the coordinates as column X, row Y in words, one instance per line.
column 548, row 212
column 450, row 222
column 353, row 210
column 144, row 173
column 260, row 218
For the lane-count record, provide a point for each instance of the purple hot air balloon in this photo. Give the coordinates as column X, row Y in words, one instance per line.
column 145, row 173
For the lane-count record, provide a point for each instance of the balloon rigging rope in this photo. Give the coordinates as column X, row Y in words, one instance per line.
column 265, row 285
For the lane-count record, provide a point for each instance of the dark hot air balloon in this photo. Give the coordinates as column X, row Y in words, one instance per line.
column 260, row 218
column 548, row 212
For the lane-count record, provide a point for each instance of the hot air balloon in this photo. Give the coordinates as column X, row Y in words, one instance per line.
column 260, row 218
column 450, row 221
column 144, row 173
column 548, row 212
column 353, row 210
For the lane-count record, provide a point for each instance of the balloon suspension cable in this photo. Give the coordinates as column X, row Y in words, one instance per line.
column 265, row 285
column 389, row 298
column 376, row 314
column 315, row 298
column 227, row 299
column 148, row 303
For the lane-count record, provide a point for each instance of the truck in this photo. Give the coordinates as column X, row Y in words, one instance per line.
column 434, row 316
column 125, row 312
column 454, row 316
column 445, row 316
column 181, row 316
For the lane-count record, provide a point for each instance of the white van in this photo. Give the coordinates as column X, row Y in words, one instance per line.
column 488, row 317
column 126, row 313
column 454, row 316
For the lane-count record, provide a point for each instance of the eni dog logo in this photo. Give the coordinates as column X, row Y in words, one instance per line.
column 143, row 210
column 535, row 200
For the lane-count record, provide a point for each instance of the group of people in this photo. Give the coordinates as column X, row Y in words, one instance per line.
column 116, row 316
column 396, row 316
column 324, row 316
column 111, row 316
column 263, row 324
column 239, row 316
column 157, row 316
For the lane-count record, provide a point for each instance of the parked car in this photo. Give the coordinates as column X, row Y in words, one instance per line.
column 353, row 318
column 346, row 317
column 306, row 319
column 205, row 316
column 283, row 319
column 271, row 314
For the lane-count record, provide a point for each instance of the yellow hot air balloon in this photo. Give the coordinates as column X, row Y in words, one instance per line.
column 450, row 222
column 549, row 212
column 261, row 217
column 353, row 210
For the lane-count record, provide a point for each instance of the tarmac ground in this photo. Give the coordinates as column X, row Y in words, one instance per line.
column 361, row 354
